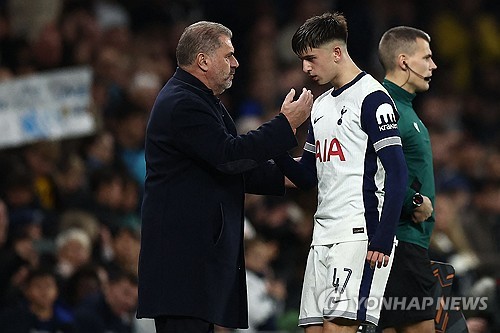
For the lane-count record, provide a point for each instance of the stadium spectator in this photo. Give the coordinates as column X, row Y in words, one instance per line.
column 113, row 309
column 38, row 310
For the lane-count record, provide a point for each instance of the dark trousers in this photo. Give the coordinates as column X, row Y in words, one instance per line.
column 180, row 324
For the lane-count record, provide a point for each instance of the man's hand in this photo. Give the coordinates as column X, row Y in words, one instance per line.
column 377, row 258
column 422, row 213
column 297, row 111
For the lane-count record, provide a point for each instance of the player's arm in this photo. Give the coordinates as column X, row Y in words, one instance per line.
column 379, row 121
column 392, row 159
column 301, row 172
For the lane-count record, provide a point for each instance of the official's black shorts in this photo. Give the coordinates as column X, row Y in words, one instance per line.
column 409, row 294
column 180, row 324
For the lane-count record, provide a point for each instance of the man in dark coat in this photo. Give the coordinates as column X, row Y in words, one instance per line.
column 191, row 265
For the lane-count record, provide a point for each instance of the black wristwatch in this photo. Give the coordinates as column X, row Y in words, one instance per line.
column 417, row 200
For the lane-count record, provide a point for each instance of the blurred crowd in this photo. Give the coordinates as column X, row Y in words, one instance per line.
column 70, row 208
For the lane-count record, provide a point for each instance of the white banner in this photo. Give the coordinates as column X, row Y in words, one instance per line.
column 51, row 105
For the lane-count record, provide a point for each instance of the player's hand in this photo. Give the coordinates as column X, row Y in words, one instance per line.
column 422, row 213
column 378, row 259
column 297, row 111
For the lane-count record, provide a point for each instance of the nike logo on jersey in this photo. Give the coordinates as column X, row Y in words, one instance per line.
column 416, row 127
column 316, row 120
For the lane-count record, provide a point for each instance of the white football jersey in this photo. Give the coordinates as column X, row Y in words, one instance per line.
column 348, row 127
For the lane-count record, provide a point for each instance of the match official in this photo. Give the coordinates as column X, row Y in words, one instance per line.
column 406, row 57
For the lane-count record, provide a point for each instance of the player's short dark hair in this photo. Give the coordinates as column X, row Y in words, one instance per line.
column 199, row 37
column 397, row 40
column 319, row 30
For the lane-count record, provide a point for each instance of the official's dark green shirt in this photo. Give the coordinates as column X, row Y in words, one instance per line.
column 418, row 155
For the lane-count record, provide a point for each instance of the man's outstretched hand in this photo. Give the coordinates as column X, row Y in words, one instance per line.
column 297, row 111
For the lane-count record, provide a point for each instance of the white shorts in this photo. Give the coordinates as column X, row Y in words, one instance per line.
column 338, row 282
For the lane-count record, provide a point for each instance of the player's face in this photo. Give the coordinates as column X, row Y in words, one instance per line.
column 222, row 66
column 318, row 63
column 421, row 62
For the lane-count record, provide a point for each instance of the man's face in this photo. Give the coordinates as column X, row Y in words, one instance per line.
column 222, row 66
column 319, row 63
column 75, row 253
column 42, row 291
column 122, row 297
column 421, row 62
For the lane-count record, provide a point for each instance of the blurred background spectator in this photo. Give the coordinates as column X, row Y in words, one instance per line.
column 266, row 293
column 71, row 205
column 38, row 310
column 112, row 309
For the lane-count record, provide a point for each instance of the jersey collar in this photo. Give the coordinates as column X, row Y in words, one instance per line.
column 337, row 92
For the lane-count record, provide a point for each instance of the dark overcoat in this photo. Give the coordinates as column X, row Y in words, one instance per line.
column 198, row 170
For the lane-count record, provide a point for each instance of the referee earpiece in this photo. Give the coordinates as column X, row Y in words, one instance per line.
column 407, row 67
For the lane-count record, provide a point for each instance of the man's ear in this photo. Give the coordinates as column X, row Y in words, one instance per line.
column 337, row 53
column 402, row 62
column 202, row 61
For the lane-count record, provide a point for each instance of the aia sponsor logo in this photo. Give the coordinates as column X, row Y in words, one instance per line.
column 325, row 150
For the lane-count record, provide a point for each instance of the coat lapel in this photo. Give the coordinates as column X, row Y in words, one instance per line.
column 227, row 119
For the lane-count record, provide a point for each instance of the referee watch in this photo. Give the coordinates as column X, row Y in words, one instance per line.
column 417, row 200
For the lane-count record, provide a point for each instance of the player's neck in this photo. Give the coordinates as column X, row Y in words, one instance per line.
column 346, row 75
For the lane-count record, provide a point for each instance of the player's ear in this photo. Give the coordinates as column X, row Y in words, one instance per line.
column 337, row 53
column 202, row 61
